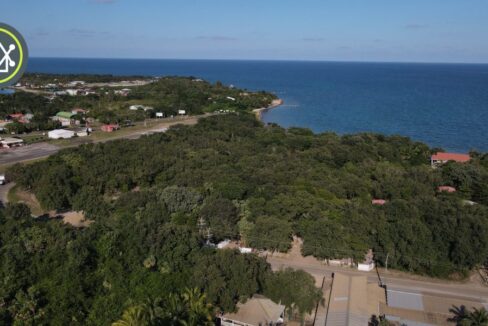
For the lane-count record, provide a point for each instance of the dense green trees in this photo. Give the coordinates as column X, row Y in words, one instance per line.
column 465, row 317
column 295, row 290
column 189, row 308
column 260, row 184
column 284, row 182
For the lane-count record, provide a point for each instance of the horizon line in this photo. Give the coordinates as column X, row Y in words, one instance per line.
column 267, row 60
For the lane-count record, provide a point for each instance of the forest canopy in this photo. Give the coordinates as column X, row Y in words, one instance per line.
column 258, row 184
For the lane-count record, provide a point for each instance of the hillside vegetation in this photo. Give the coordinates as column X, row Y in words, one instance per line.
column 260, row 184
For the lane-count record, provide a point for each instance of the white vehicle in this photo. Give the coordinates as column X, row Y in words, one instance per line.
column 2, row 179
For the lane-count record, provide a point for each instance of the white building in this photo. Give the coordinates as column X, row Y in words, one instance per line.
column 368, row 264
column 11, row 142
column 60, row 134
column 181, row 112
column 159, row 114
column 72, row 92
column 137, row 107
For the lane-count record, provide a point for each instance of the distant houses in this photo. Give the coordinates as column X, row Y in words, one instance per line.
column 138, row 107
column 66, row 118
column 10, row 142
column 442, row 158
column 110, row 127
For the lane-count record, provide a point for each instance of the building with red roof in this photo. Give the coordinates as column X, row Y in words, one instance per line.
column 110, row 127
column 379, row 202
column 441, row 158
column 15, row 116
column 448, row 189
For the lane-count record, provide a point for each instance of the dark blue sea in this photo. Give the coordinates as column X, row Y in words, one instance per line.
column 443, row 105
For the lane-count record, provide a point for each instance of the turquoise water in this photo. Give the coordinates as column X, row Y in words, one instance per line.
column 444, row 105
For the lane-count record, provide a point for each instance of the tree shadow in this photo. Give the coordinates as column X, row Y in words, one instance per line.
column 459, row 314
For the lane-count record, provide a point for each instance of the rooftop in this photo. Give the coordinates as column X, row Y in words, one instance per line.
column 440, row 156
column 258, row 310
column 66, row 115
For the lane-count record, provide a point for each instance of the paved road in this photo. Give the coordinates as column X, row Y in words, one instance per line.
column 468, row 292
column 26, row 153
column 41, row 150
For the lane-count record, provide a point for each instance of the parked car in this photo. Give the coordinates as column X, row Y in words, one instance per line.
column 2, row 179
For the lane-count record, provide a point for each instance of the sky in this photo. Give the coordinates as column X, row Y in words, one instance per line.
column 335, row 30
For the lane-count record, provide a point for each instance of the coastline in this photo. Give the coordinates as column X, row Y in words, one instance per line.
column 274, row 104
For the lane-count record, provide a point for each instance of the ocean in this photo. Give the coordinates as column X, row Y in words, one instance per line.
column 443, row 105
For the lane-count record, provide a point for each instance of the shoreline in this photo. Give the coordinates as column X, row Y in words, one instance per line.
column 274, row 104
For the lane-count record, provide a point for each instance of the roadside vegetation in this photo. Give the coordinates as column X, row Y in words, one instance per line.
column 157, row 200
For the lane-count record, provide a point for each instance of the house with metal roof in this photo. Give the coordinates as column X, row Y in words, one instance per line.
column 256, row 311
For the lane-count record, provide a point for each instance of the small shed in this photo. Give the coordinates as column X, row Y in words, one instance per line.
column 368, row 264
column 448, row 189
column 379, row 202
column 110, row 127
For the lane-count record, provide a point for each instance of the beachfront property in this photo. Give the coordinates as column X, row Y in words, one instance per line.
column 11, row 142
column 256, row 311
column 442, row 158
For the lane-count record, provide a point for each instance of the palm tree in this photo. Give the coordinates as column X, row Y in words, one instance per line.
column 134, row 316
column 189, row 308
column 199, row 312
column 477, row 317
column 463, row 317
column 459, row 314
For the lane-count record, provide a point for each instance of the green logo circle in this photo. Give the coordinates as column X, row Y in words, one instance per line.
column 13, row 55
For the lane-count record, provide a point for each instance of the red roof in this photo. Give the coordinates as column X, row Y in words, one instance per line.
column 451, row 157
column 380, row 202
column 446, row 189
column 16, row 115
